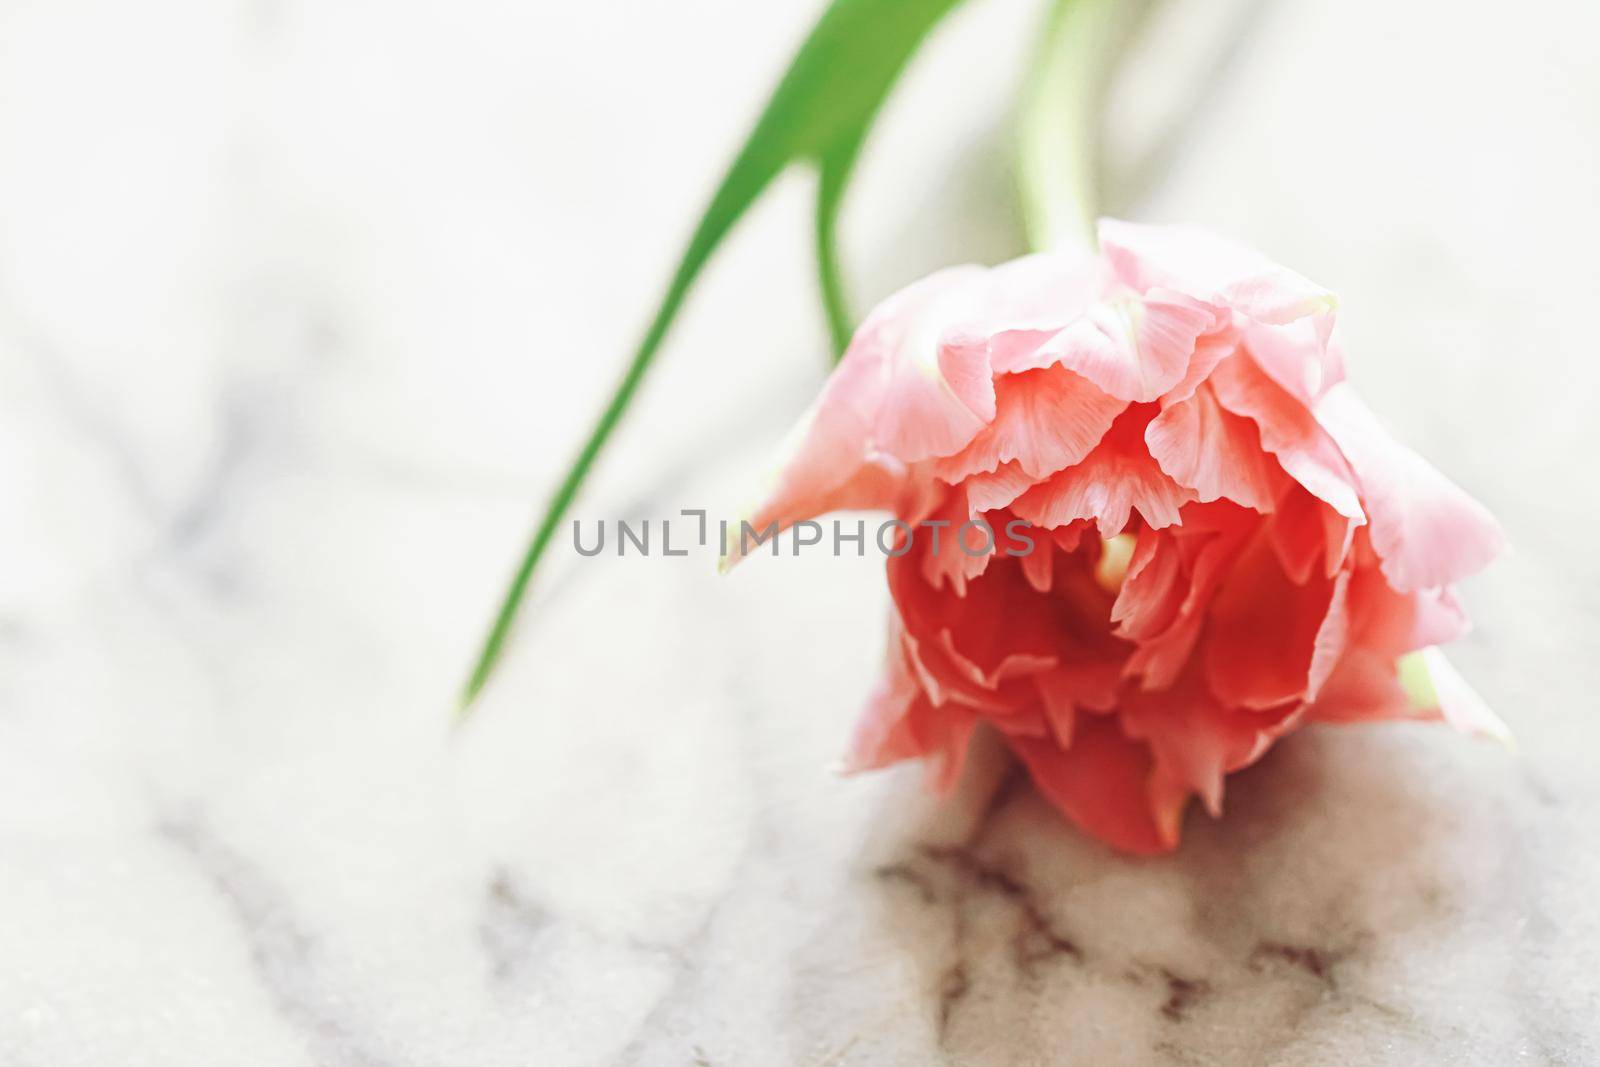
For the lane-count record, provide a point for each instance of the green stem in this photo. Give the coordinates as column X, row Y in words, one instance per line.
column 833, row 174
column 1057, row 125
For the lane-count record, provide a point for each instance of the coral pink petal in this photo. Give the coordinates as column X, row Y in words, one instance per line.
column 1333, row 637
column 1303, row 530
column 802, row 492
column 923, row 418
column 1000, row 629
column 883, row 734
column 1101, row 783
column 1460, row 706
column 887, row 404
column 1062, row 720
column 901, row 723
column 1296, row 355
column 1038, row 567
column 1089, row 684
column 1394, row 623
column 1159, row 660
column 1209, row 350
column 917, row 414
column 997, row 489
column 1037, row 293
column 1260, row 645
column 1153, row 590
column 1195, row 740
column 1424, row 528
column 1211, row 268
column 1209, row 449
column 1133, row 347
column 1044, row 420
column 1362, row 688
column 1290, row 432
column 1115, row 479
column 945, row 681
column 831, row 448
column 960, row 549
column 964, row 365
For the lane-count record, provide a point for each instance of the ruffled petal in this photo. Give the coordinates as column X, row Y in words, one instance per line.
column 1297, row 356
column 1333, row 637
column 1392, row 623
column 1038, row 566
column 1290, row 432
column 1002, row 628
column 1101, row 783
column 1425, row 529
column 1133, row 347
column 1044, row 420
column 1087, row 685
column 1196, row 741
column 1112, row 481
column 885, row 405
column 882, row 735
column 999, row 487
column 964, row 365
column 1261, row 642
column 901, row 723
column 1209, row 449
column 1362, row 688
column 960, row 543
column 946, row 681
column 1456, row 701
column 918, row 414
column 1210, row 538
column 1153, row 589
column 1209, row 350
column 1213, row 269
column 1305, row 530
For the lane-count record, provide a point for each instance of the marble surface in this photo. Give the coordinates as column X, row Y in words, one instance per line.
column 302, row 306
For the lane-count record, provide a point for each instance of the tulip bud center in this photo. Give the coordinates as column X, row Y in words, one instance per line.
column 1112, row 568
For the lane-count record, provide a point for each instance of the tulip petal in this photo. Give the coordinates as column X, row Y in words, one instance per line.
column 1297, row 356
column 964, row 365
column 1455, row 700
column 1362, row 688
column 1209, row 449
column 1427, row 531
column 1133, row 347
column 1304, row 530
column 1209, row 350
column 998, row 488
column 1101, row 783
column 1153, row 590
column 1194, row 739
column 1392, row 623
column 1112, row 481
column 1211, row 268
column 1261, row 643
column 1044, row 420
column 1211, row 538
column 1290, row 432
column 916, row 412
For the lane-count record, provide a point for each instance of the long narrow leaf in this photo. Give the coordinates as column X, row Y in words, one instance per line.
column 819, row 113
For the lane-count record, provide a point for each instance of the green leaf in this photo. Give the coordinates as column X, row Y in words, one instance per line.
column 820, row 114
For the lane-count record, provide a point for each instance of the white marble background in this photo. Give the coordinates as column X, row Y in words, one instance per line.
column 302, row 306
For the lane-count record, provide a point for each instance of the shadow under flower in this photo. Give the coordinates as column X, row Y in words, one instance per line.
column 1350, row 861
